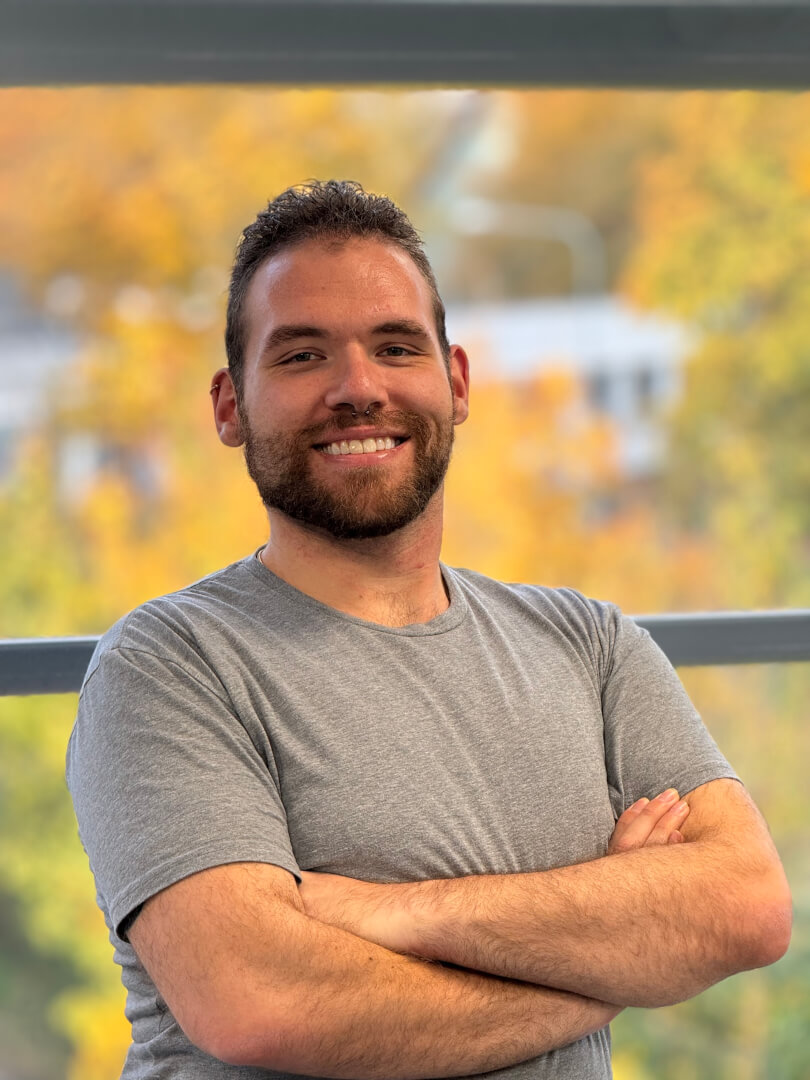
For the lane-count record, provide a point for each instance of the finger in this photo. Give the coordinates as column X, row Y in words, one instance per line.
column 675, row 837
column 669, row 823
column 624, row 821
column 636, row 825
column 631, row 813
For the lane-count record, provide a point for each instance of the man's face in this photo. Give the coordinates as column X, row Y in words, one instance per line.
column 341, row 350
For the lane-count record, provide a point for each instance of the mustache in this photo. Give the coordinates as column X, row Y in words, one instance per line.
column 409, row 422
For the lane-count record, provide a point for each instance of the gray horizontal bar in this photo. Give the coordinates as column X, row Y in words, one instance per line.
column 44, row 665
column 489, row 42
column 731, row 637
column 57, row 665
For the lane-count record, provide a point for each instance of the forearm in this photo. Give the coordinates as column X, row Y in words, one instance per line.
column 647, row 927
column 626, row 928
column 344, row 1007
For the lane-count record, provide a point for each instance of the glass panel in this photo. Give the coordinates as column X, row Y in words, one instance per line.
column 627, row 272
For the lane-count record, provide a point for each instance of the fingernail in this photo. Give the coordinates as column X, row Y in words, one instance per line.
column 670, row 795
column 639, row 802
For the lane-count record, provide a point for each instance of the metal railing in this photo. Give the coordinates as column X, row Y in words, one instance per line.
column 57, row 665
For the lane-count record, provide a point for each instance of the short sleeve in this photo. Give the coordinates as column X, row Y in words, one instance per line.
column 165, row 778
column 654, row 736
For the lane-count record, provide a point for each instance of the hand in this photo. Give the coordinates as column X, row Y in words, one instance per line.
column 363, row 908
column 647, row 823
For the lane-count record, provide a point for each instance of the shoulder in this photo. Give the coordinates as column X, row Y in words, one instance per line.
column 566, row 608
column 177, row 624
column 594, row 629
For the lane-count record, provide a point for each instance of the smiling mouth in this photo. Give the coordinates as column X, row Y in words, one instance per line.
column 360, row 446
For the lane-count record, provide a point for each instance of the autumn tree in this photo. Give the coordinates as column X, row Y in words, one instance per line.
column 119, row 208
column 723, row 218
column 724, row 223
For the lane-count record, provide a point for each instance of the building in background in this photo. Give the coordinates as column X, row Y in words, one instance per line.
column 35, row 351
column 630, row 362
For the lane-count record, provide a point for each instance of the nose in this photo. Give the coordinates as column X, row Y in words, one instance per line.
column 356, row 383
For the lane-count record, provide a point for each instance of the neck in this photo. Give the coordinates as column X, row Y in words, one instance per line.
column 391, row 580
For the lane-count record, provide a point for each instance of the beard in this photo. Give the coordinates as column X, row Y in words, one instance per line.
column 362, row 503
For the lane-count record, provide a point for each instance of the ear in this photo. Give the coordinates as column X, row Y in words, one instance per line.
column 226, row 414
column 460, row 383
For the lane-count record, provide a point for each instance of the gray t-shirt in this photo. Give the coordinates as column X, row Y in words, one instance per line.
column 241, row 720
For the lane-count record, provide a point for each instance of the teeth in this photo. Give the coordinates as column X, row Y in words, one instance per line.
column 357, row 446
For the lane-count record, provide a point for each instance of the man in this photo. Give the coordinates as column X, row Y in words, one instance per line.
column 353, row 813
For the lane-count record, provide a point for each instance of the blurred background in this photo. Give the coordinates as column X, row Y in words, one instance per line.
column 629, row 274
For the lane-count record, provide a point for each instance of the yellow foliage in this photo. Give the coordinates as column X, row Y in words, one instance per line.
column 141, row 194
column 724, row 224
column 97, row 1027
column 524, row 459
column 626, row 1067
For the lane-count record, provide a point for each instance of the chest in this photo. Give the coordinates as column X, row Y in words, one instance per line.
column 418, row 759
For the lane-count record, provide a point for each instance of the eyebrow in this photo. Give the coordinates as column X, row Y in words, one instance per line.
column 291, row 332
column 406, row 327
column 288, row 332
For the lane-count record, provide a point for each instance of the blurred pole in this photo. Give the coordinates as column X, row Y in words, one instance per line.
column 455, row 213
column 485, row 217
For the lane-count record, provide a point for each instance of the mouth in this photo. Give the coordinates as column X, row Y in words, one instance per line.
column 361, row 446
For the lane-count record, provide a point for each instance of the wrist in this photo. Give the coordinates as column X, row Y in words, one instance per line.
column 389, row 917
column 423, row 917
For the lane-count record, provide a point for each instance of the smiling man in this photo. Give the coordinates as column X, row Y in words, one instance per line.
column 367, row 468
column 354, row 813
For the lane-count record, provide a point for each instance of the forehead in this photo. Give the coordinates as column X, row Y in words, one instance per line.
column 346, row 282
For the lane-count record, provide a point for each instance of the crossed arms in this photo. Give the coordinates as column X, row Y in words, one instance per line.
column 338, row 977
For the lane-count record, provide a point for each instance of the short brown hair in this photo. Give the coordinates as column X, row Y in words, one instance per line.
column 333, row 209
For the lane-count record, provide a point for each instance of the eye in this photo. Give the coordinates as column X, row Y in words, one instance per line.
column 397, row 350
column 299, row 357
